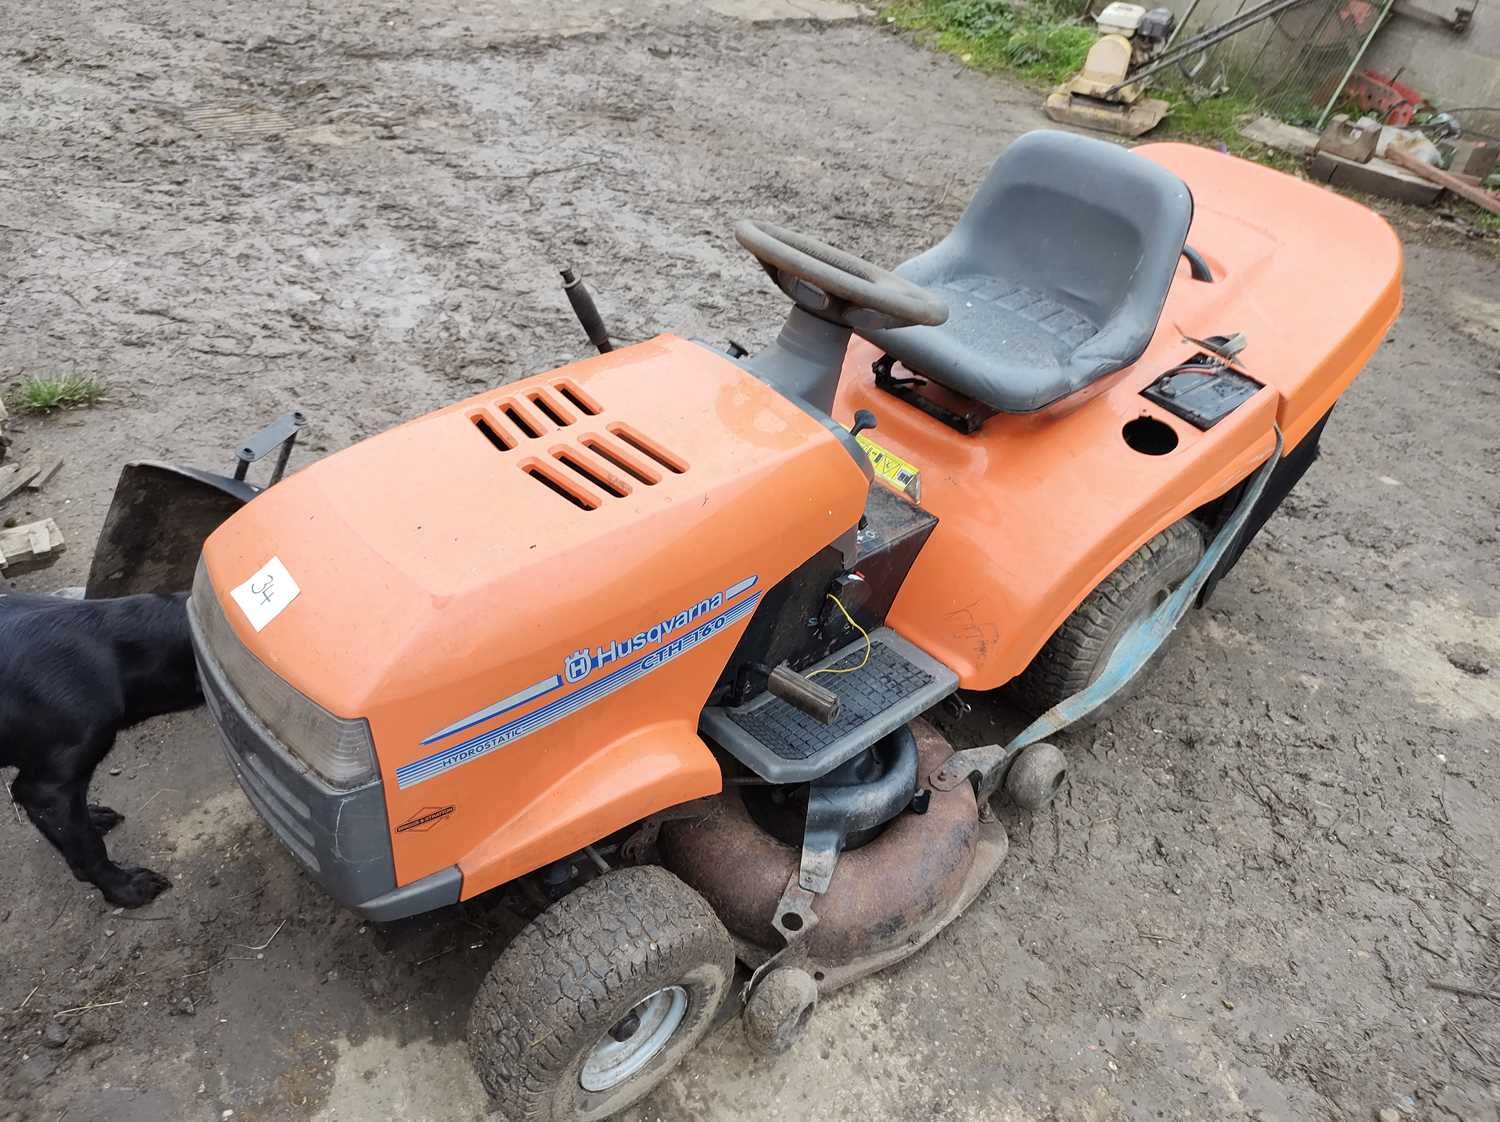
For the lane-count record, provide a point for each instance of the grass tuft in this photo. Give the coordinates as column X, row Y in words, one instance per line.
column 1040, row 40
column 1215, row 122
column 1207, row 121
column 69, row 391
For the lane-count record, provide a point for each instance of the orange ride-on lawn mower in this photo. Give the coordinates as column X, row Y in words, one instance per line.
column 659, row 627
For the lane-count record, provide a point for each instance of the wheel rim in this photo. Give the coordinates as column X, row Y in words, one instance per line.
column 635, row 1040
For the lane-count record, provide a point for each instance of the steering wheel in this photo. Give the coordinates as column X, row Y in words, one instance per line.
column 837, row 286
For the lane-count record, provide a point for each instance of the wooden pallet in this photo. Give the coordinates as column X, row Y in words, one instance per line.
column 34, row 545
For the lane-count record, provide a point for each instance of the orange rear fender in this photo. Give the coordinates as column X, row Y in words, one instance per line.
column 1035, row 510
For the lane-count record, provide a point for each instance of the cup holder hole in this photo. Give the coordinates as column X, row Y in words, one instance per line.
column 1150, row 437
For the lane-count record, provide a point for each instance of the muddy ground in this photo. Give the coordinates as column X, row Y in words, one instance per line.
column 1261, row 865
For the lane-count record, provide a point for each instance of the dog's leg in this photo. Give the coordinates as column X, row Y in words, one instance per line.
column 103, row 818
column 59, row 809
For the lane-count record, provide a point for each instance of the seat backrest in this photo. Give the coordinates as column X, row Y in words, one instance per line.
column 1085, row 222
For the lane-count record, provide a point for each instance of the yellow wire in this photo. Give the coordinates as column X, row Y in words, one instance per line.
column 857, row 627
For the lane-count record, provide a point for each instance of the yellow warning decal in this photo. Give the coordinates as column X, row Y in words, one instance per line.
column 889, row 466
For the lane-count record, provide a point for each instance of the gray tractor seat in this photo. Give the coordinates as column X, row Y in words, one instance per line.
column 1054, row 276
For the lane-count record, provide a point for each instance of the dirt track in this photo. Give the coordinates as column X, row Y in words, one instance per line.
column 1260, row 864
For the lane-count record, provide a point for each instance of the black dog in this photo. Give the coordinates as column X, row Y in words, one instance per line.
column 73, row 673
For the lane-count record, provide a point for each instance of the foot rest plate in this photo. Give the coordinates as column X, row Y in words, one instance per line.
column 781, row 743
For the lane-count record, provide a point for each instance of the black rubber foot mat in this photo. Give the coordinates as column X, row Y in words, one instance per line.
column 783, row 744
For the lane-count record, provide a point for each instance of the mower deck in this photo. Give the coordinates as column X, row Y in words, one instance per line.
column 990, row 851
column 784, row 745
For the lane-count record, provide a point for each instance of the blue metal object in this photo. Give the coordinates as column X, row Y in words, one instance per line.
column 987, row 766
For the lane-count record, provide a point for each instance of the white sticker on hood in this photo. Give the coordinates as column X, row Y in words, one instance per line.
column 266, row 594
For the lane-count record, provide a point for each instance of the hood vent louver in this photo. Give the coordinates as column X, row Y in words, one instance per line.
column 565, row 488
column 512, row 412
column 648, row 447
column 492, row 435
column 589, row 469
column 600, row 466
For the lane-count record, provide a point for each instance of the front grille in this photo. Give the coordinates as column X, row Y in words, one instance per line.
column 342, row 836
column 289, row 817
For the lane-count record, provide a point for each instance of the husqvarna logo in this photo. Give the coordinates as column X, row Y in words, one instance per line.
column 581, row 663
column 578, row 666
column 679, row 633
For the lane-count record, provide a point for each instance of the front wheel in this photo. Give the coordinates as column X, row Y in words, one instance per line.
column 600, row 997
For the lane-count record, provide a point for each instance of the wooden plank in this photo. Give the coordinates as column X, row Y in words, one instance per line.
column 13, row 478
column 1485, row 200
column 1378, row 177
column 34, row 545
column 1283, row 137
column 46, row 475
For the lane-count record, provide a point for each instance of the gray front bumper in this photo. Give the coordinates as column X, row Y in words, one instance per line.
column 342, row 837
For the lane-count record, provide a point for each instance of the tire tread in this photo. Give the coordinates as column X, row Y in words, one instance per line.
column 1067, row 661
column 573, row 961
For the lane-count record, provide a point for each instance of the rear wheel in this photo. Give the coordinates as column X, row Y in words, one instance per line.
column 600, row 997
column 1079, row 650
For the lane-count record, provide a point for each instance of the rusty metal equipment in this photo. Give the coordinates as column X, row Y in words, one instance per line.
column 1196, row 44
column 1102, row 97
column 1109, row 93
column 895, row 890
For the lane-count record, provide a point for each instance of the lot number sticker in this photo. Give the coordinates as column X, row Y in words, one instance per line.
column 266, row 594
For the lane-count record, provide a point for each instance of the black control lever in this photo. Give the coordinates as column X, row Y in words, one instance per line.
column 588, row 315
column 863, row 419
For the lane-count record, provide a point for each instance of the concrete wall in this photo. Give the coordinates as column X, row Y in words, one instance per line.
column 1454, row 70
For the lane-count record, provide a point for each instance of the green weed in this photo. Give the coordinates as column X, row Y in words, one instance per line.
column 1039, row 41
column 69, row 391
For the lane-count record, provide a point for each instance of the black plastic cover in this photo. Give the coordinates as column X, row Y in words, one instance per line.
column 1156, row 25
column 796, row 623
column 1202, row 391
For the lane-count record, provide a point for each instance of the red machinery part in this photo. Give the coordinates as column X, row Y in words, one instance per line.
column 1394, row 103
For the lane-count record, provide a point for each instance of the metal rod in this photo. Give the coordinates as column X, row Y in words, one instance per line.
column 282, row 457
column 1213, row 35
column 1292, row 75
column 1255, row 62
column 1182, row 23
column 1333, row 98
column 1206, row 39
column 1234, row 24
column 1233, row 53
